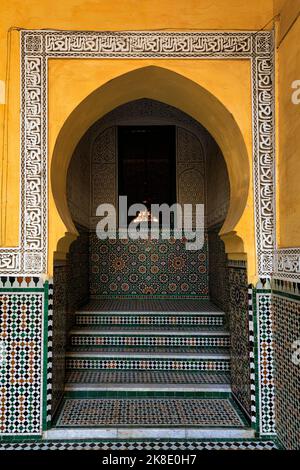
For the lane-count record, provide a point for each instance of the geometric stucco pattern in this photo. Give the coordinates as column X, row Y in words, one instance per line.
column 39, row 46
column 287, row 264
column 161, row 268
column 190, row 163
column 104, row 165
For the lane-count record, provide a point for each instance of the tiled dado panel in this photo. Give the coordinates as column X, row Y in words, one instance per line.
column 59, row 334
column 286, row 313
column 23, row 318
column 239, row 330
column 218, row 273
column 70, row 290
column 264, row 359
column 147, row 267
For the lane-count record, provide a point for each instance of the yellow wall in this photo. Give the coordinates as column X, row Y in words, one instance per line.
column 10, row 143
column 288, row 125
column 71, row 80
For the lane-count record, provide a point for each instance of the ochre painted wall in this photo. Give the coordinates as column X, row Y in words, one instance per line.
column 288, row 127
column 228, row 81
column 10, row 143
column 288, row 11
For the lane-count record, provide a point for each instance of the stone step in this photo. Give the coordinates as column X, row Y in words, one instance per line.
column 214, row 437
column 140, row 389
column 149, row 338
column 147, row 361
column 147, row 383
column 146, row 377
column 152, row 319
column 151, row 413
column 147, row 344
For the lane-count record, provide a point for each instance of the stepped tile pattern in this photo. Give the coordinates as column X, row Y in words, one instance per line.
column 146, row 346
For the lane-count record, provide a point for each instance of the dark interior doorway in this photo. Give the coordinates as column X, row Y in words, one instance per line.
column 147, row 164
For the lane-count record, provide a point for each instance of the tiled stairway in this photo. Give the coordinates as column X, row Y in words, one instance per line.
column 151, row 364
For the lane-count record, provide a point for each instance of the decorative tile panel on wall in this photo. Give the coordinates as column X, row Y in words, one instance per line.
column 265, row 362
column 21, row 367
column 146, row 111
column 60, row 312
column 147, row 267
column 286, row 315
column 239, row 328
column 49, row 353
column 71, row 289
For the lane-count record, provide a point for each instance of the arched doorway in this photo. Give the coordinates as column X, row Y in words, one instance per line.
column 163, row 85
column 198, row 176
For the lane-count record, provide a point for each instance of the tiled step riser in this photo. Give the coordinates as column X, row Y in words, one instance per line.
column 148, row 364
column 151, row 320
column 188, row 341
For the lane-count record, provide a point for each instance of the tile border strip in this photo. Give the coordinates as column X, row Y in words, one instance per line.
column 47, row 410
column 252, row 356
column 213, row 444
column 19, row 286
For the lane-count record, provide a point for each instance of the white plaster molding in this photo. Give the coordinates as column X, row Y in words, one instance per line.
column 287, row 264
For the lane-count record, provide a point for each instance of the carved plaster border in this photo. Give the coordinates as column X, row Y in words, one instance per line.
column 287, row 264
column 37, row 46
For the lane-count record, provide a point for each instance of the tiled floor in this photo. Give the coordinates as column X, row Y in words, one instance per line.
column 148, row 412
column 146, row 377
